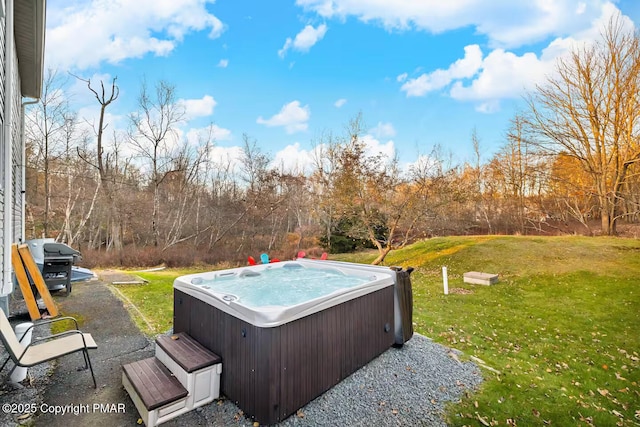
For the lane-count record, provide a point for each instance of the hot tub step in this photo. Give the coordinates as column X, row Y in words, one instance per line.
column 157, row 394
column 197, row 368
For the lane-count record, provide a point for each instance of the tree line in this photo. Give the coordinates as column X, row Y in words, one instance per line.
column 568, row 163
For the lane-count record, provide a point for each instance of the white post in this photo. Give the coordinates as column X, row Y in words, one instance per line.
column 445, row 280
column 20, row 373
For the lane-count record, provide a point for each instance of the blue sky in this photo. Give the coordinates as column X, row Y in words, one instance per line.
column 421, row 72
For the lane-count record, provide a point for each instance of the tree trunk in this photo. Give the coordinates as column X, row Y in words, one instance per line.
column 382, row 254
column 606, row 222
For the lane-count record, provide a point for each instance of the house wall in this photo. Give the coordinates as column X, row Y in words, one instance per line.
column 14, row 193
column 3, row 149
column 17, row 155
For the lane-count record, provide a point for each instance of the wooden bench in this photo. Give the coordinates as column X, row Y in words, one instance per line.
column 478, row 278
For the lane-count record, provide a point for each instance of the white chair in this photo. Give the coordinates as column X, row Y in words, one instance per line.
column 48, row 348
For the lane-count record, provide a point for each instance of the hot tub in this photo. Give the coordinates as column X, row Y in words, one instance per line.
column 283, row 341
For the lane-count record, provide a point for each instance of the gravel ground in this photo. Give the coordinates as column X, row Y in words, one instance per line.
column 409, row 386
column 402, row 387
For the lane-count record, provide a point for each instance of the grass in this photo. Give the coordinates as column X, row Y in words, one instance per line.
column 561, row 327
column 62, row 326
column 153, row 313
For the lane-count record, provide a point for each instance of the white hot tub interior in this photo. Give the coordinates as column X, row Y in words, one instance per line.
column 272, row 294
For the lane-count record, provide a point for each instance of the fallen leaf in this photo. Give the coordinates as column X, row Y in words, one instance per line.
column 603, row 392
column 394, row 411
column 535, row 412
column 300, row 414
column 482, row 420
column 139, row 422
column 256, row 424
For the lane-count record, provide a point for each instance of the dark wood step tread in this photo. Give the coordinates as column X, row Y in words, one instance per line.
column 187, row 352
column 153, row 382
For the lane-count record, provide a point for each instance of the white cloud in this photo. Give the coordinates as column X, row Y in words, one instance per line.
column 503, row 74
column 304, row 40
column 293, row 159
column 463, row 68
column 383, row 130
column 223, row 63
column 374, row 147
column 86, row 33
column 198, row 107
column 488, row 107
column 340, row 102
column 506, row 23
column 292, row 117
column 214, row 133
column 424, row 165
column 226, row 157
column 402, row 77
column 581, row 8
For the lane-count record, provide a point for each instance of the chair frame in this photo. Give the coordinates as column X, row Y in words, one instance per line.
column 6, row 329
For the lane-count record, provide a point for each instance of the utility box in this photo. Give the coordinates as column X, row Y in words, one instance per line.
column 478, row 278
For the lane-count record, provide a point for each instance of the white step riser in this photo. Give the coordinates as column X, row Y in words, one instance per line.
column 203, row 385
column 159, row 415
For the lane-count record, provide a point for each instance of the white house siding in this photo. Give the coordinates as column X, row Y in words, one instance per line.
column 2, row 68
column 17, row 154
column 17, row 160
column 2, row 142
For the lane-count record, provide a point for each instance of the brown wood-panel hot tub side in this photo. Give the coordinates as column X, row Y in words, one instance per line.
column 271, row 372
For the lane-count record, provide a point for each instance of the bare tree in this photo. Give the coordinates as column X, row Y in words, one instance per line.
column 153, row 135
column 325, row 166
column 481, row 203
column 378, row 203
column 78, row 186
column 102, row 160
column 590, row 110
column 45, row 126
column 517, row 162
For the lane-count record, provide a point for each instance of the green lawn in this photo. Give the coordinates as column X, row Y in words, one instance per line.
column 561, row 327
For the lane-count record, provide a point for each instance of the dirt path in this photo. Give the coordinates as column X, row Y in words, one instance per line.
column 119, row 342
